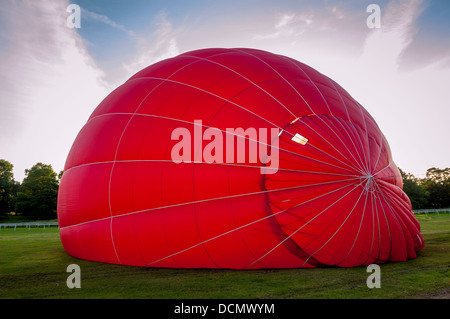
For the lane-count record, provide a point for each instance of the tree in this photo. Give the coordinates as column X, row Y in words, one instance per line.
column 438, row 175
column 8, row 187
column 437, row 185
column 38, row 193
column 416, row 193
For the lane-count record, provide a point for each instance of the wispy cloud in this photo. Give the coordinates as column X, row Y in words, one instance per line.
column 317, row 31
column 314, row 20
column 383, row 48
column 86, row 14
column 288, row 24
column 161, row 44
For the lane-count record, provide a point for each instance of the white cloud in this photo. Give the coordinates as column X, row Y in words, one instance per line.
column 49, row 84
column 162, row 44
column 316, row 36
column 289, row 24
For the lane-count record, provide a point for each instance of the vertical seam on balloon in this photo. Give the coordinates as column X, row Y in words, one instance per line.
column 297, row 230
column 194, row 204
column 196, row 162
column 196, row 220
column 117, row 150
column 163, row 217
column 234, row 219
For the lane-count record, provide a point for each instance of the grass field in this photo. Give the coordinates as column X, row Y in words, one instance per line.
column 33, row 265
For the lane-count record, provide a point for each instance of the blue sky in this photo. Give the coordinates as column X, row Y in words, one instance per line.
column 194, row 18
column 54, row 76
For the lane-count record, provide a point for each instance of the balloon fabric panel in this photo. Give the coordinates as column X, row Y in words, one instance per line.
column 321, row 189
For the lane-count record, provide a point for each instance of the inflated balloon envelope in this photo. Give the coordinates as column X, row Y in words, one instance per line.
column 157, row 177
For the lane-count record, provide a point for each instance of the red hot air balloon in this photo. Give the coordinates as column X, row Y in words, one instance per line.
column 233, row 158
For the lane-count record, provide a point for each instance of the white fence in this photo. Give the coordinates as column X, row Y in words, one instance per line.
column 431, row 210
column 28, row 225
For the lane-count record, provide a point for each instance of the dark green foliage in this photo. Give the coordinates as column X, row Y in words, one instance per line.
column 8, row 187
column 433, row 191
column 437, row 185
column 411, row 186
column 38, row 193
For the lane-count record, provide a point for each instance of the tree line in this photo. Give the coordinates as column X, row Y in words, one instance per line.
column 36, row 197
column 432, row 191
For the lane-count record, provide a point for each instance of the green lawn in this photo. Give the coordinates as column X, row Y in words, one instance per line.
column 33, row 265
